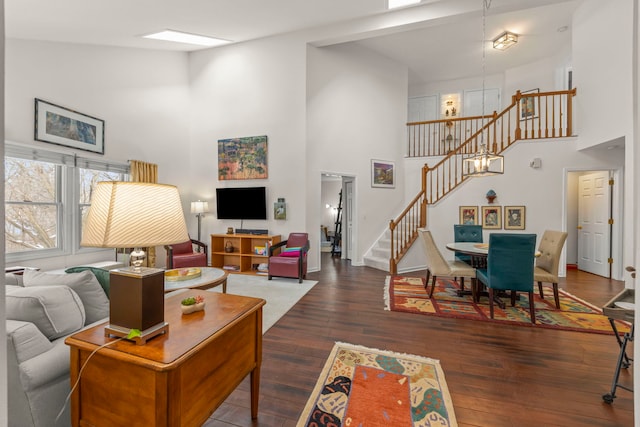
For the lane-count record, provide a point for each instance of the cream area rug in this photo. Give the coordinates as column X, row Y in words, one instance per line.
column 280, row 293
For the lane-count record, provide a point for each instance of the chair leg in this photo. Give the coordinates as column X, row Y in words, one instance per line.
column 556, row 295
column 474, row 291
column 462, row 284
column 532, row 309
column 513, row 298
column 426, row 281
column 433, row 286
column 491, row 302
column 540, row 290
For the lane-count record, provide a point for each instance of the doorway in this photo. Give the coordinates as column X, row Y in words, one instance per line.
column 337, row 195
column 593, row 218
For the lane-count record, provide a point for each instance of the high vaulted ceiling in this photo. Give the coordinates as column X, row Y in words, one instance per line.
column 437, row 39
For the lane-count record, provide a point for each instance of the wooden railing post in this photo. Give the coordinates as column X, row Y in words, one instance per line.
column 570, row 112
column 516, row 100
column 393, row 266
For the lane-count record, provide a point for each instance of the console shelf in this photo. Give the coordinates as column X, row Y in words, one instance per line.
column 244, row 258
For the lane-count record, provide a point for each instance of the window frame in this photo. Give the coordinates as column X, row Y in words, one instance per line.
column 69, row 215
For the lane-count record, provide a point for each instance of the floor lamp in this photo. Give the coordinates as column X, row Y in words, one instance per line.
column 199, row 208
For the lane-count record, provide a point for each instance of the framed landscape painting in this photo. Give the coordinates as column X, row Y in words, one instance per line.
column 59, row 125
column 242, row 158
column 514, row 217
column 492, row 217
column 469, row 215
column 383, row 174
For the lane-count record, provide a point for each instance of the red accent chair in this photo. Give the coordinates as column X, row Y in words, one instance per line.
column 183, row 255
column 292, row 259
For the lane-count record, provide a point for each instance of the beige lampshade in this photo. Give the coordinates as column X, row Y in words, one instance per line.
column 199, row 207
column 134, row 214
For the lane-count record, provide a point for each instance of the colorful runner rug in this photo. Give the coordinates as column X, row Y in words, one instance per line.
column 361, row 386
column 407, row 294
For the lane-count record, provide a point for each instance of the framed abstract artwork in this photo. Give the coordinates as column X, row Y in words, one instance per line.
column 492, row 217
column 383, row 174
column 242, row 158
column 529, row 105
column 59, row 125
column 469, row 215
column 514, row 217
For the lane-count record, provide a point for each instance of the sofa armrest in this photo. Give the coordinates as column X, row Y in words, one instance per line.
column 45, row 367
column 26, row 340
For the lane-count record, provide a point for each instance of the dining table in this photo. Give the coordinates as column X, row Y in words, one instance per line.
column 479, row 253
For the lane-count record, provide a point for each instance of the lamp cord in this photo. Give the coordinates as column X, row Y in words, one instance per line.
column 66, row 401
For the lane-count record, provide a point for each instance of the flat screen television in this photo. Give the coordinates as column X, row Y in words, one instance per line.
column 241, row 203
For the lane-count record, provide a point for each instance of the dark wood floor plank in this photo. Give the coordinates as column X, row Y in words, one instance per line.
column 498, row 375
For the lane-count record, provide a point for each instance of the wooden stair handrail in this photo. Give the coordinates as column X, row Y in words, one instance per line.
column 502, row 130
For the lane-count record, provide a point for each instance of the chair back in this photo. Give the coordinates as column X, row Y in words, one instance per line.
column 510, row 261
column 297, row 240
column 182, row 248
column 550, row 249
column 467, row 233
column 436, row 263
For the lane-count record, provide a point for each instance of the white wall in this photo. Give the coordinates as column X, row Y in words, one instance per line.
column 142, row 96
column 253, row 88
column 356, row 111
column 541, row 191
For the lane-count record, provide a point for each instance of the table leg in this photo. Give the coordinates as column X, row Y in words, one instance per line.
column 255, row 392
column 224, row 286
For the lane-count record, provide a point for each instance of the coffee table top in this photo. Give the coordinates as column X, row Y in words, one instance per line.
column 209, row 278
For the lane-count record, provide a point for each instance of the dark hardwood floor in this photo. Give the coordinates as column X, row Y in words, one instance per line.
column 497, row 375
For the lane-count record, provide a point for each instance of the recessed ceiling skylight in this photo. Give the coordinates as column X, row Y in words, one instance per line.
column 393, row 4
column 179, row 37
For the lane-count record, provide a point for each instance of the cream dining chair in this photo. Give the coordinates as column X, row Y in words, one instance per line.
column 437, row 266
column 546, row 269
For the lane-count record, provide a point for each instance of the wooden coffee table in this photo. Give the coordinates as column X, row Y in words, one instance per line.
column 175, row 379
column 210, row 278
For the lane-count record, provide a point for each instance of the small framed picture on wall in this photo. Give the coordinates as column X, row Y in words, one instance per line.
column 514, row 217
column 492, row 217
column 469, row 215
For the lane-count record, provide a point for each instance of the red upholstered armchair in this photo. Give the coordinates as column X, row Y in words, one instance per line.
column 292, row 259
column 183, row 255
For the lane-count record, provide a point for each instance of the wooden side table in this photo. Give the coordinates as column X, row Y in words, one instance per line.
column 175, row 379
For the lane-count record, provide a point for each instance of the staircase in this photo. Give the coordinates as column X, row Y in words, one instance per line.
column 380, row 253
column 529, row 116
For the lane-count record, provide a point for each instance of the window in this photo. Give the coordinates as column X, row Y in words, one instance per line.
column 41, row 190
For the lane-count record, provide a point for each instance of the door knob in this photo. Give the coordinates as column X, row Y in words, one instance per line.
column 579, row 227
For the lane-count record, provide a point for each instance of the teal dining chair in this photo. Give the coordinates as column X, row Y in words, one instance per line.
column 466, row 233
column 510, row 264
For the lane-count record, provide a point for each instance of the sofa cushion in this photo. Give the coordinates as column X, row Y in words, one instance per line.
column 84, row 283
column 56, row 310
column 101, row 274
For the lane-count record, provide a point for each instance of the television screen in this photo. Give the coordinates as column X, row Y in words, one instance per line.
column 241, row 203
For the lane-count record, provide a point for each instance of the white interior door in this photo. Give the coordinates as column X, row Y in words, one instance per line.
column 347, row 220
column 594, row 201
column 422, row 108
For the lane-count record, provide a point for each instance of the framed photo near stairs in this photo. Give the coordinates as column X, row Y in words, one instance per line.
column 529, row 105
column 383, row 174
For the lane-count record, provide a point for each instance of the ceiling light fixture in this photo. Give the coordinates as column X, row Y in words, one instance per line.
column 394, row 4
column 505, row 40
column 483, row 162
column 180, row 37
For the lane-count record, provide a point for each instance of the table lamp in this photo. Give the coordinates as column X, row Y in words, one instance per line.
column 135, row 215
column 199, row 208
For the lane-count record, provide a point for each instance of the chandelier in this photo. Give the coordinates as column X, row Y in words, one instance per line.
column 483, row 162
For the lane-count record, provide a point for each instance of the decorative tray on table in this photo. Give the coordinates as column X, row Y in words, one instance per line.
column 178, row 274
column 622, row 306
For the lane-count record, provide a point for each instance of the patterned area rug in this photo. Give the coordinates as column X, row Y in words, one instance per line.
column 408, row 294
column 361, row 386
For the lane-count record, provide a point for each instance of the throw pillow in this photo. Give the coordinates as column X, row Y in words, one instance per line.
column 101, row 274
column 55, row 310
column 291, row 252
column 85, row 284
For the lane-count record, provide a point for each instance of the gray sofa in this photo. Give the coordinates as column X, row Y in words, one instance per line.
column 42, row 310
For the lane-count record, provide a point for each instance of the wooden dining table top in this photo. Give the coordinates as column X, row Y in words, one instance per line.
column 474, row 248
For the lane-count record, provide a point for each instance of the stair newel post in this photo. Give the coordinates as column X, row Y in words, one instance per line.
column 393, row 267
column 516, row 101
column 423, row 212
column 425, row 170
